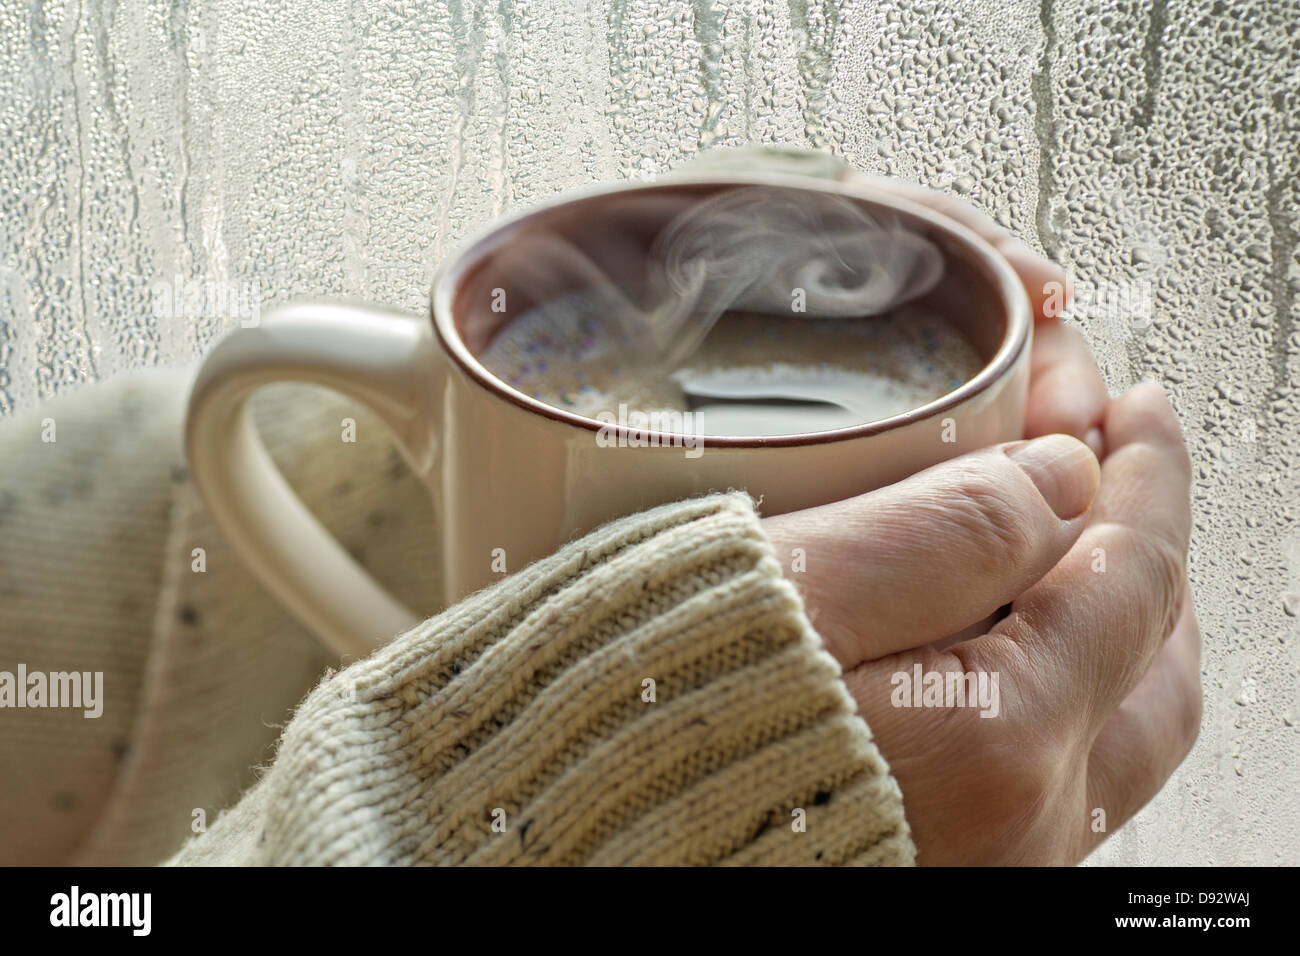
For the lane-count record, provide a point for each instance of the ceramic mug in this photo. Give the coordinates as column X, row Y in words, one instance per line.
column 505, row 470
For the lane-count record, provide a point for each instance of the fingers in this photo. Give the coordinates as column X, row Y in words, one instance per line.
column 1066, row 391
column 925, row 558
column 1097, row 620
column 1148, row 473
column 1067, row 394
column 1150, row 733
column 1044, row 281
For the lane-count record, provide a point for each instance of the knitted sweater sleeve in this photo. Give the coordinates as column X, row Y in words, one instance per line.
column 650, row 694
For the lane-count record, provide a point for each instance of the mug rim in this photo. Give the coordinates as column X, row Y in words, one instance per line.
column 1005, row 281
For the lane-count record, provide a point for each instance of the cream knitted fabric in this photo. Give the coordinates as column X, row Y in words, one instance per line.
column 201, row 669
column 81, row 564
column 526, row 697
column 651, row 694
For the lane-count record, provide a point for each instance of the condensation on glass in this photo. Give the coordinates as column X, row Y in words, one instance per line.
column 167, row 169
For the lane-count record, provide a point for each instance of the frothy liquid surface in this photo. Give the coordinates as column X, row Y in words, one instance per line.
column 753, row 375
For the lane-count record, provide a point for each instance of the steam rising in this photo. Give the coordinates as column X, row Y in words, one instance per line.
column 745, row 249
column 751, row 248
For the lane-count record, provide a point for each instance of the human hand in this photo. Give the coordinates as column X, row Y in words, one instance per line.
column 1066, row 391
column 1098, row 679
column 1099, row 657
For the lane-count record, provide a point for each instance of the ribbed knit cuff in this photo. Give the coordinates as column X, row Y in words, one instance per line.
column 650, row 694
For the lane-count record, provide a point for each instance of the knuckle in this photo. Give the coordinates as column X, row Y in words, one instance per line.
column 1166, row 573
column 1157, row 586
column 1032, row 776
column 993, row 514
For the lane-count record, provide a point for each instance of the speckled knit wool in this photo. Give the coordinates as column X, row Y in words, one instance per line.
column 82, row 527
column 526, row 705
column 201, row 670
column 526, row 697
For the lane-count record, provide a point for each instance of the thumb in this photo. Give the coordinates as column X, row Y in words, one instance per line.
column 934, row 554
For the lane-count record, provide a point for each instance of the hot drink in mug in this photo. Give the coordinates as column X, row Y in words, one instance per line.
column 803, row 337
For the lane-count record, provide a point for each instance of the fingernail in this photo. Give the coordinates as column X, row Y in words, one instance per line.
column 1063, row 469
column 1096, row 441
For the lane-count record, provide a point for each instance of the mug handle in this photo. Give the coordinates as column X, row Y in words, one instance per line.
column 379, row 356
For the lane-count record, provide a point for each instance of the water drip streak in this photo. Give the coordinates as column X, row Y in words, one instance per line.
column 180, row 15
column 705, row 26
column 751, row 88
column 816, row 66
column 96, row 327
column 1045, row 131
column 353, row 134
column 80, row 109
column 1282, row 248
column 617, row 85
column 119, row 117
column 469, row 40
column 1151, row 61
column 504, row 200
column 20, row 337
